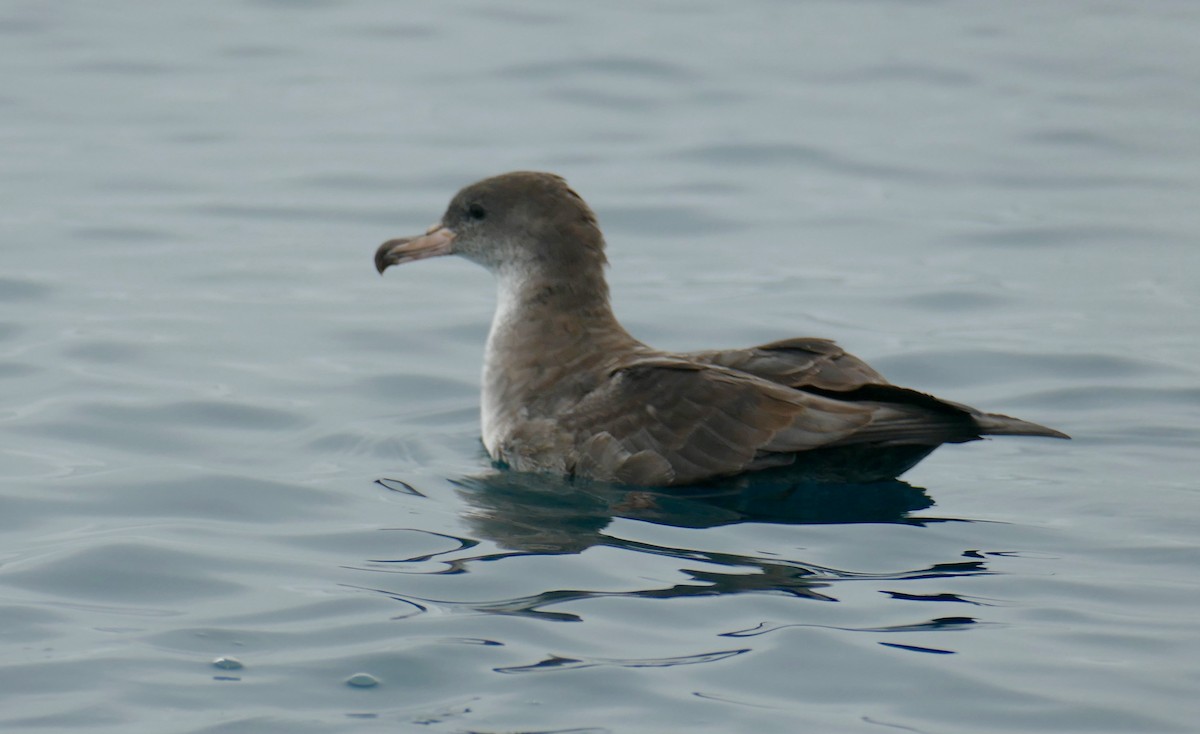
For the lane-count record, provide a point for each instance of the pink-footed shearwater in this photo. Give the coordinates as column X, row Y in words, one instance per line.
column 567, row 390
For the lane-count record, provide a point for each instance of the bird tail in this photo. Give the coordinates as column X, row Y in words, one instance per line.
column 994, row 424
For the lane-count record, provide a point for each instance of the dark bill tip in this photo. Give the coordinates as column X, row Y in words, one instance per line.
column 436, row 242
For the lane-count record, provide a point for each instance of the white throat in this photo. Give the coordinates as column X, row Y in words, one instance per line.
column 501, row 341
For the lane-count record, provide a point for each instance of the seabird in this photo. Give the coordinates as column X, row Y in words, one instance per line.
column 567, row 390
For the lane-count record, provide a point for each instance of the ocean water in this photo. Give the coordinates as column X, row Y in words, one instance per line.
column 224, row 438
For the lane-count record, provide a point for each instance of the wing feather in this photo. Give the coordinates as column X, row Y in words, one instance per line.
column 701, row 421
column 680, row 419
column 800, row 362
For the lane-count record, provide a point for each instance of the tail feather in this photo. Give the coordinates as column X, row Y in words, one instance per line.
column 994, row 424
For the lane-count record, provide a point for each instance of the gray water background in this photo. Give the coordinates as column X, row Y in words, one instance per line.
column 203, row 377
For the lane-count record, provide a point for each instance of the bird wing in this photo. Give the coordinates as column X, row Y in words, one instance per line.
column 690, row 422
column 800, row 362
column 821, row 367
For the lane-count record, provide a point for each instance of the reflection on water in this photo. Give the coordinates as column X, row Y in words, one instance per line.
column 528, row 516
column 528, row 511
column 556, row 662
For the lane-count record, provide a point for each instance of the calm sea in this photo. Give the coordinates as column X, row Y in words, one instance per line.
column 224, row 438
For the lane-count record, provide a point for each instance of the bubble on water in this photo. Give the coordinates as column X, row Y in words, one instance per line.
column 226, row 663
column 362, row 680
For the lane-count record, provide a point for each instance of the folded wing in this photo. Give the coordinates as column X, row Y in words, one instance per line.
column 693, row 421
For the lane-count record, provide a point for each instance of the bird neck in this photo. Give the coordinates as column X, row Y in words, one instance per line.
column 541, row 315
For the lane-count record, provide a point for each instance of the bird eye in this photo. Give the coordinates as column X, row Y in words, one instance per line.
column 475, row 211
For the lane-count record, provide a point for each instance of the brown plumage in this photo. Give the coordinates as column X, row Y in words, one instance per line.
column 567, row 390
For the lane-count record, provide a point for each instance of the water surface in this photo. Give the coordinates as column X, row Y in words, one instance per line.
column 225, row 437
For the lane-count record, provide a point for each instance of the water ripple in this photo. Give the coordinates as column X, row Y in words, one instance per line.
column 555, row 662
column 1074, row 235
column 933, row 625
column 610, row 66
column 664, row 221
column 957, row 368
column 13, row 290
column 917, row 648
column 124, row 572
column 224, row 497
column 795, row 155
column 536, row 519
column 198, row 413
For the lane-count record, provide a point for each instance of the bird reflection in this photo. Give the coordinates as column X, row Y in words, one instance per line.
column 523, row 515
column 546, row 514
